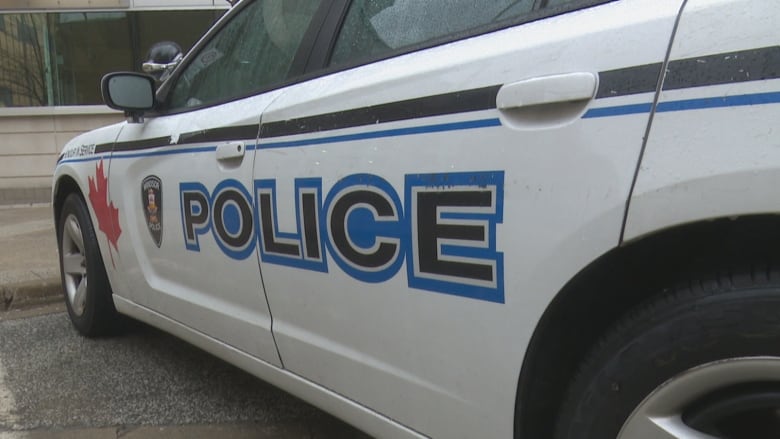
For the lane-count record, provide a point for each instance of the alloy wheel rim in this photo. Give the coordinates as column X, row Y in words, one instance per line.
column 74, row 265
column 661, row 414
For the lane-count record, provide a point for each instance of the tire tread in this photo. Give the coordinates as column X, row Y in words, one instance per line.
column 696, row 294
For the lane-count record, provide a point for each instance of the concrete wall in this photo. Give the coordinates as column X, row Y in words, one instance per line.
column 31, row 139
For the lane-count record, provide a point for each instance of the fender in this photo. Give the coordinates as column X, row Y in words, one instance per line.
column 728, row 164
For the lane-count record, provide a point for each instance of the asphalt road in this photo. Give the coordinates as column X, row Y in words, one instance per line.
column 55, row 383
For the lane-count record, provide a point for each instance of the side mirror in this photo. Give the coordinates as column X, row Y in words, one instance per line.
column 130, row 92
column 161, row 59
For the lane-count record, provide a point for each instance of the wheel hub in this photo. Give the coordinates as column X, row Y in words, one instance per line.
column 726, row 399
column 74, row 265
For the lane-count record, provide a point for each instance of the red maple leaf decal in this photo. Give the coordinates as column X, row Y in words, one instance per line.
column 107, row 215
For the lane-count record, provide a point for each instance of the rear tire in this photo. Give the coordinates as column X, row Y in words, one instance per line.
column 701, row 360
column 88, row 294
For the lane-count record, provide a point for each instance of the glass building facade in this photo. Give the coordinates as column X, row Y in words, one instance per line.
column 57, row 58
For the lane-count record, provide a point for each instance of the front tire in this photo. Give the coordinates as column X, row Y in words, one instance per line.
column 84, row 280
column 702, row 361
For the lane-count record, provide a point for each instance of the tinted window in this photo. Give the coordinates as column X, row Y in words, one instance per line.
column 553, row 3
column 252, row 52
column 374, row 27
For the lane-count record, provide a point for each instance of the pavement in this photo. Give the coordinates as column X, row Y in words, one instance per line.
column 30, row 292
column 239, row 431
column 143, row 384
column 29, row 264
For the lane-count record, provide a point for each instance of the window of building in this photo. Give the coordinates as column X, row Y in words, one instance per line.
column 58, row 58
column 5, row 97
column 21, row 70
column 26, row 30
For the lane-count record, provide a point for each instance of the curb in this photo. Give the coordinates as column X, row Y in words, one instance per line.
column 28, row 294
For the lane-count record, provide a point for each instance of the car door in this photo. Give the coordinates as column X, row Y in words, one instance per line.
column 422, row 201
column 181, row 180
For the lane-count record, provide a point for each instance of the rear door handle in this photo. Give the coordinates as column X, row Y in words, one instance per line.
column 553, row 89
column 546, row 102
column 230, row 151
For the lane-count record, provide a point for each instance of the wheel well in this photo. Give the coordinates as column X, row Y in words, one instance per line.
column 617, row 282
column 62, row 188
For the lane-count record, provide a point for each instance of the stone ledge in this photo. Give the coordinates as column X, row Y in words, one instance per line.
column 24, row 196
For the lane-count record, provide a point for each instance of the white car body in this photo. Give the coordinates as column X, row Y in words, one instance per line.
column 410, row 347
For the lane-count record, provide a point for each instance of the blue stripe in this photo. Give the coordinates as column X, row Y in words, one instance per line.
column 84, row 159
column 620, row 110
column 456, row 126
column 194, row 150
column 719, row 102
column 687, row 104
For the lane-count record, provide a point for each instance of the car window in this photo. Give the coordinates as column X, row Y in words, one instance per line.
column 552, row 3
column 374, row 27
column 252, row 52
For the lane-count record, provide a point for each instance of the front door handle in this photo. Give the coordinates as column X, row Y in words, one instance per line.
column 547, row 101
column 230, row 151
column 553, row 89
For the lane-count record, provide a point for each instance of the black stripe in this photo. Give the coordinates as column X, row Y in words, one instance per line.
column 724, row 68
column 103, row 148
column 141, row 144
column 620, row 82
column 222, row 134
column 628, row 81
column 438, row 105
column 747, row 65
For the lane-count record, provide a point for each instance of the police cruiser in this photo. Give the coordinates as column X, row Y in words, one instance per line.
column 455, row 219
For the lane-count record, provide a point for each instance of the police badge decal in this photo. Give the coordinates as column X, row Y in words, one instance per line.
column 151, row 199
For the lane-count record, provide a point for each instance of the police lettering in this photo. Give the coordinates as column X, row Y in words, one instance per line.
column 445, row 231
